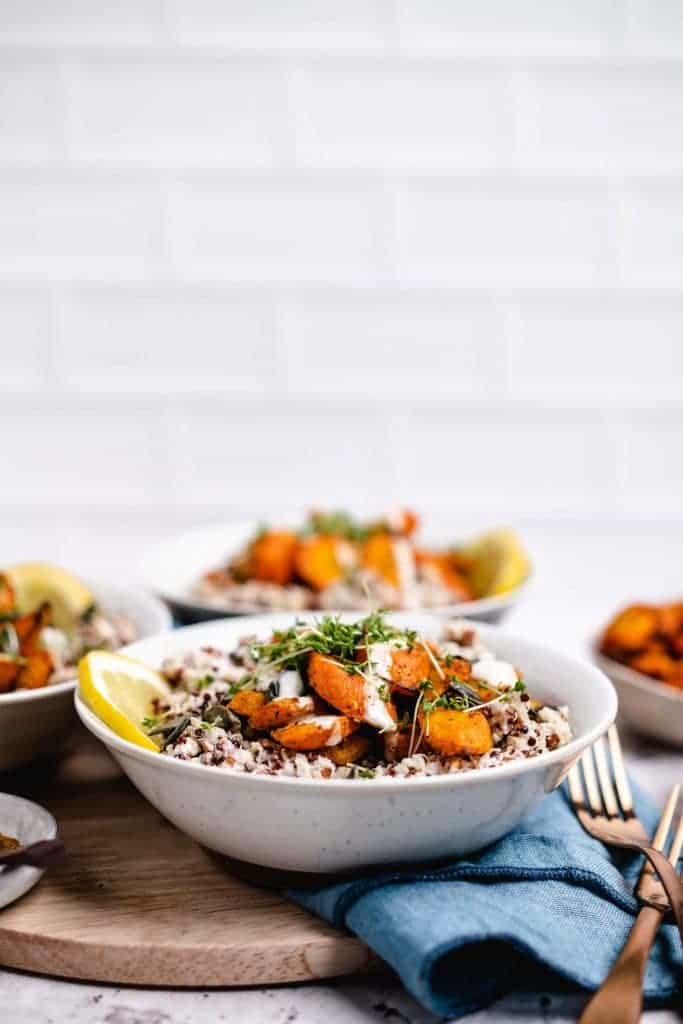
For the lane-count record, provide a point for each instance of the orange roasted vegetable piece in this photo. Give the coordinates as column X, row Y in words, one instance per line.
column 281, row 711
column 271, row 557
column 344, row 690
column 654, row 662
column 247, row 702
column 354, row 748
column 441, row 568
column 9, row 672
column 379, row 555
column 450, row 732
column 670, row 620
column 631, row 629
column 36, row 671
column 6, row 595
column 320, row 731
column 28, row 628
column 410, row 667
column 320, row 560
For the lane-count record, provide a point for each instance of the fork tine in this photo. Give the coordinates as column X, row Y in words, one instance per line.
column 605, row 778
column 576, row 786
column 677, row 844
column 662, row 832
column 591, row 781
column 619, row 769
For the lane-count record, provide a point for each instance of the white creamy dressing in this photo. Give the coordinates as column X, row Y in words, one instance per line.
column 329, row 723
column 378, row 674
column 499, row 674
column 291, row 683
column 405, row 568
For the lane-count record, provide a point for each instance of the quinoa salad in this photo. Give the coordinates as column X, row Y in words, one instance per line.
column 334, row 561
column 35, row 652
column 352, row 700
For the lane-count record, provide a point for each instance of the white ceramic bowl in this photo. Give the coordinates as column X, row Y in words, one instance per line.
column 324, row 825
column 35, row 723
column 29, row 823
column 172, row 570
column 646, row 705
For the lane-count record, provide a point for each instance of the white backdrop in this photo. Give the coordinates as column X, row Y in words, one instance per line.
column 361, row 253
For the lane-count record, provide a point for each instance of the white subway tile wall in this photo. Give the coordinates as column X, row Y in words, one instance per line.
column 361, row 252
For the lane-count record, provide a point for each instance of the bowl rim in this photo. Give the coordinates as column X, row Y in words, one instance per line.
column 186, row 602
column 567, row 753
column 108, row 591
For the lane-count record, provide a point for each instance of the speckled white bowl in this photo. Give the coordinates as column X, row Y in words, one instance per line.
column 36, row 723
column 29, row 823
column 172, row 570
column 326, row 825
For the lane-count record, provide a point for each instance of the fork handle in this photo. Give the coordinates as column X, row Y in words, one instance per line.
column 620, row 997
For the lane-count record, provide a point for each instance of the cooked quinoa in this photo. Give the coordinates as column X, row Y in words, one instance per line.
column 347, row 701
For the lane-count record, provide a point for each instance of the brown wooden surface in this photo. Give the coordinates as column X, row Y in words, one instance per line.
column 140, row 903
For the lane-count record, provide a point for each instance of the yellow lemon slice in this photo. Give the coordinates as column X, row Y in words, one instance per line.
column 35, row 582
column 499, row 562
column 120, row 691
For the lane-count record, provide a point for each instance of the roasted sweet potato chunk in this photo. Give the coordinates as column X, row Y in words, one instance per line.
column 271, row 557
column 656, row 663
column 28, row 628
column 320, row 561
column 318, row 732
column 379, row 555
column 247, row 702
column 36, row 671
column 6, row 595
column 451, row 732
column 410, row 667
column 353, row 748
column 281, row 711
column 344, row 690
column 631, row 629
column 441, row 569
column 9, row 672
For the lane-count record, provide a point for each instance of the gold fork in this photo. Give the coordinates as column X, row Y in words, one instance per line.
column 620, row 997
column 609, row 815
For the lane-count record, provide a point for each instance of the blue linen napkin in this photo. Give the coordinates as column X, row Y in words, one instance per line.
column 547, row 895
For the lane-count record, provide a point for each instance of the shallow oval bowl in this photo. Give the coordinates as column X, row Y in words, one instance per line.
column 36, row 723
column 325, row 825
column 172, row 569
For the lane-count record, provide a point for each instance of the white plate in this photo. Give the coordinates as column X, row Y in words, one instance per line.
column 647, row 705
column 172, row 570
column 29, row 823
column 325, row 825
column 35, row 723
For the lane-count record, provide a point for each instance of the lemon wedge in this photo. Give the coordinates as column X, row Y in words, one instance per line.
column 120, row 691
column 35, row 582
column 499, row 562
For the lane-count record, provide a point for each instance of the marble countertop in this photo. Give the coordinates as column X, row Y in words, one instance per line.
column 563, row 615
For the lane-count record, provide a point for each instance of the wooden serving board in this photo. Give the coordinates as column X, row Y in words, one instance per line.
column 139, row 903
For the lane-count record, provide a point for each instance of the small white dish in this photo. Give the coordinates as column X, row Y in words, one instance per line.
column 326, row 825
column 36, row 723
column 29, row 823
column 647, row 705
column 175, row 567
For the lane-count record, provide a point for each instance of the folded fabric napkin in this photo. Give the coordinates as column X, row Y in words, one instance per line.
column 546, row 895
